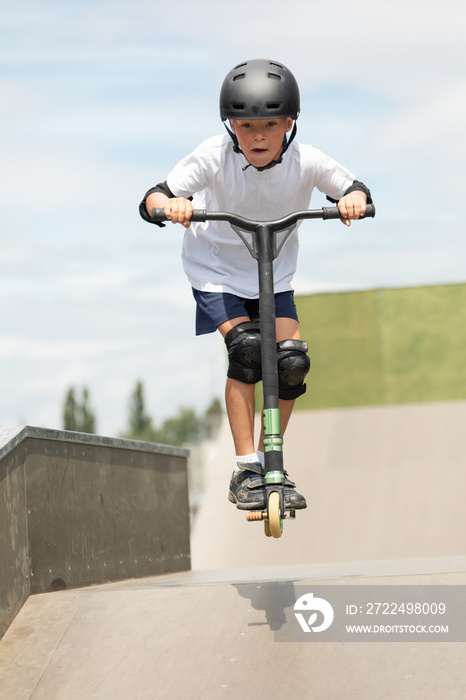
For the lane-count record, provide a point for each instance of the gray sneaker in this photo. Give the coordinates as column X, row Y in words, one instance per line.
column 247, row 488
column 293, row 499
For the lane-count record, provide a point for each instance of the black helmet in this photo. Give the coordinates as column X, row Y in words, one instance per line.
column 259, row 89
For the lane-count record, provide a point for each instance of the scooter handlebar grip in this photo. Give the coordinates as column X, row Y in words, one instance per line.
column 334, row 212
column 158, row 215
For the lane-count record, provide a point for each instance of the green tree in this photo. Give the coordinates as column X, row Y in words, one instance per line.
column 215, row 408
column 88, row 421
column 184, row 428
column 212, row 418
column 70, row 411
column 78, row 415
column 140, row 423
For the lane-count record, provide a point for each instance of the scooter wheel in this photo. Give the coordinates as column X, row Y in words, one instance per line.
column 275, row 520
column 267, row 529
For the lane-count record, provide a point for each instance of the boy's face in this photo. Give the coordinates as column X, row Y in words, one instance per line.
column 261, row 140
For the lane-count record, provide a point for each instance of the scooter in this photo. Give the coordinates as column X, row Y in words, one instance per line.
column 263, row 248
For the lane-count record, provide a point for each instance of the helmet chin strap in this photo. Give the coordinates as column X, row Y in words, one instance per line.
column 236, row 147
column 286, row 143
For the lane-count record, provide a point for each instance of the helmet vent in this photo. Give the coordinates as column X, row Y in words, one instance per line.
column 238, row 107
column 239, row 76
column 274, row 76
column 274, row 105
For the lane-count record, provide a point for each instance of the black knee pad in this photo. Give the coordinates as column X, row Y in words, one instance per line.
column 244, row 353
column 293, row 365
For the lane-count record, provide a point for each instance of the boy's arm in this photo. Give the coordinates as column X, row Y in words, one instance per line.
column 352, row 206
column 177, row 209
column 353, row 203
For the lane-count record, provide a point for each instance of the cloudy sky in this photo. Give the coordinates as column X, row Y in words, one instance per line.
column 98, row 100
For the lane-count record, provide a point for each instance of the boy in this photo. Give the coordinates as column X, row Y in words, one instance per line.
column 257, row 172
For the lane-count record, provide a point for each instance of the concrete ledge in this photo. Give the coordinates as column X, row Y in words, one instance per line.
column 11, row 437
column 79, row 509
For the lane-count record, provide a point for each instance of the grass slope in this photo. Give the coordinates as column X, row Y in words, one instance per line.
column 385, row 346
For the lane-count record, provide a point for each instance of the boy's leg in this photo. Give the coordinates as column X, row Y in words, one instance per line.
column 247, row 482
column 240, row 403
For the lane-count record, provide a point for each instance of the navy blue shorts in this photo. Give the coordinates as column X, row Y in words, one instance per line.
column 214, row 308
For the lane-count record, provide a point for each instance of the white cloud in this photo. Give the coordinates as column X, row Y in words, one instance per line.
column 428, row 122
column 21, row 349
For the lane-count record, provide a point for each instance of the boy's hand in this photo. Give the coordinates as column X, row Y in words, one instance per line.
column 178, row 210
column 352, row 206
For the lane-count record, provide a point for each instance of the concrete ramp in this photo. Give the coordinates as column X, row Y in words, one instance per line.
column 210, row 636
column 380, row 483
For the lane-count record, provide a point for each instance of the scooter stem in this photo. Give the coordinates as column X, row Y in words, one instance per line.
column 273, row 440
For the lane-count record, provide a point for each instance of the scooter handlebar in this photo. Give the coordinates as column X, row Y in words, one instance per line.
column 158, row 215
